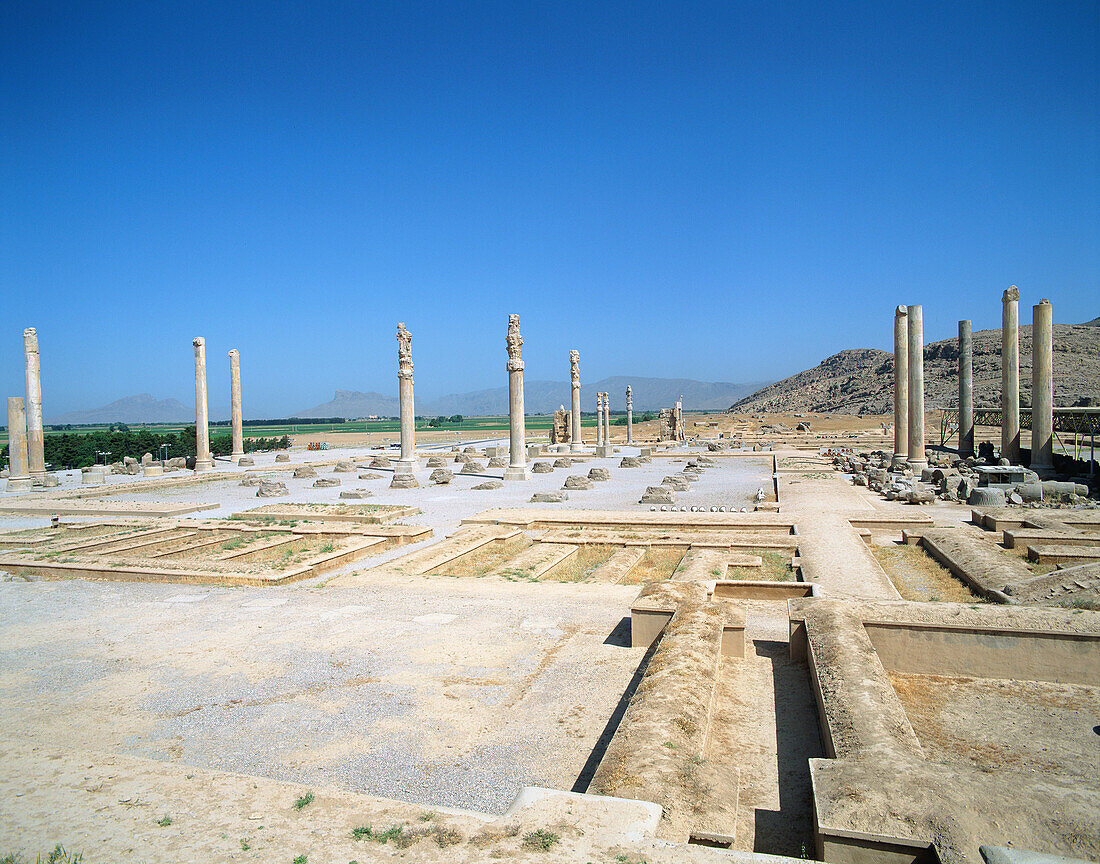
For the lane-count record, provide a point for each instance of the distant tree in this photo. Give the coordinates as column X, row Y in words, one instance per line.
column 456, row 418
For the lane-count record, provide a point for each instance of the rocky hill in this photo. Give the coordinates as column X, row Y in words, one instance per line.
column 861, row 380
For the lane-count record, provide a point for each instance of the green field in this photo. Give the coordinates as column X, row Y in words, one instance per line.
column 479, row 425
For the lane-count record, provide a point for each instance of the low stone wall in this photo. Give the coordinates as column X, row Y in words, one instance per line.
column 657, row 752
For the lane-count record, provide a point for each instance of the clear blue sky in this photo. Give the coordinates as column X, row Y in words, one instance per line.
column 726, row 191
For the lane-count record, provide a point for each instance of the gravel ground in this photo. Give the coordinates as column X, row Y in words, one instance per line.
column 453, row 695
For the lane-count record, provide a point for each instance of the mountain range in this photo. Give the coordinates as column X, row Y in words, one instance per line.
column 540, row 397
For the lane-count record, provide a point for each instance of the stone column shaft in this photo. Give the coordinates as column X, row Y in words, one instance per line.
column 517, row 444
column 17, row 439
column 607, row 419
column 1042, row 386
column 1010, row 374
column 917, row 459
column 599, row 419
column 236, row 416
column 407, row 464
column 629, row 415
column 901, row 383
column 966, row 390
column 36, row 442
column 203, row 462
column 575, row 419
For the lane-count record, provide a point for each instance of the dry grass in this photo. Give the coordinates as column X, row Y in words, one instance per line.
column 773, row 567
column 581, row 566
column 481, row 561
column 918, row 577
column 657, row 565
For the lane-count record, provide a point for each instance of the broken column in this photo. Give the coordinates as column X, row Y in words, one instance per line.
column 901, row 384
column 203, row 462
column 517, row 454
column 629, row 415
column 18, row 478
column 407, row 463
column 575, row 376
column 236, row 417
column 1042, row 388
column 917, row 459
column 966, row 390
column 36, row 443
column 1010, row 374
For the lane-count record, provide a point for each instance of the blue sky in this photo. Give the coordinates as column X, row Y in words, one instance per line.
column 725, row 191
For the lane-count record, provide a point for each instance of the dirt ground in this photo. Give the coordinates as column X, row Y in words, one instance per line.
column 998, row 723
column 918, row 577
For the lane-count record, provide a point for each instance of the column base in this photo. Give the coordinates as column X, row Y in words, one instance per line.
column 899, row 462
column 19, row 484
column 517, row 472
column 403, row 481
column 917, row 465
column 576, row 446
column 204, row 465
column 605, row 451
column 1045, row 472
column 405, row 466
column 233, row 457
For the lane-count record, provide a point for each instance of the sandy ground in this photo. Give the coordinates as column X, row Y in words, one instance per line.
column 454, row 694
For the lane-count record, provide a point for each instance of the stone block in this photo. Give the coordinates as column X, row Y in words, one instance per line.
column 629, row 462
column 403, row 481
column 303, row 472
column 564, row 462
column 344, row 466
column 356, row 494
column 282, row 457
column 549, row 497
column 599, row 474
column 441, row 476
column 271, row 489
column 577, row 481
column 542, row 468
column 473, row 467
column 325, row 483
column 246, row 461
column 491, row 484
column 658, row 495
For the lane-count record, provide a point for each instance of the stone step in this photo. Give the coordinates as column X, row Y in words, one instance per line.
column 535, row 561
column 619, row 565
column 1038, row 536
column 1055, row 554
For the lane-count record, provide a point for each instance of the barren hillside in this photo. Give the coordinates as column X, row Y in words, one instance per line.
column 861, row 380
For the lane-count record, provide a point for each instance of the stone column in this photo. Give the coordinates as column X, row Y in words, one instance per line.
column 407, row 464
column 575, row 406
column 966, row 390
column 1010, row 374
column 237, row 418
column 599, row 419
column 36, row 443
column 517, row 449
column 607, row 419
column 1042, row 387
column 203, row 462
column 629, row 415
column 18, row 478
column 901, row 385
column 917, row 459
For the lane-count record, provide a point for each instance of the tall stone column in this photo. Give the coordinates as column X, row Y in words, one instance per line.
column 607, row 419
column 575, row 406
column 629, row 415
column 1010, row 374
column 901, row 385
column 235, row 414
column 599, row 419
column 407, row 463
column 36, row 442
column 18, row 476
column 517, row 445
column 917, row 459
column 203, row 462
column 1042, row 387
column 966, row 390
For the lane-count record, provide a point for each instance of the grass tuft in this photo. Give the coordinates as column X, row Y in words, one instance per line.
column 303, row 801
column 540, row 840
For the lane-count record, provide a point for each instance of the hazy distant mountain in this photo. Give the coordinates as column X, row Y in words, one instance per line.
column 543, row 397
column 352, row 403
column 142, row 408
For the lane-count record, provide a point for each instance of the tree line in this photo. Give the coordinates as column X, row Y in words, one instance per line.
column 81, row 450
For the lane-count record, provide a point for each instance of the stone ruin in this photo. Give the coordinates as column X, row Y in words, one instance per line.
column 560, row 432
column 672, row 422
